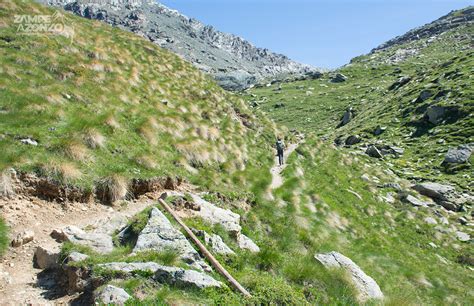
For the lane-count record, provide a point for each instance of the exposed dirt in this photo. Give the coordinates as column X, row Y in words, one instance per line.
column 20, row 282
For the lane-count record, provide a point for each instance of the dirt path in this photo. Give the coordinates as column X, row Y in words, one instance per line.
column 20, row 282
column 277, row 179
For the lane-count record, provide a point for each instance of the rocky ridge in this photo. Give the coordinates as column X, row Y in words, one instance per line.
column 235, row 63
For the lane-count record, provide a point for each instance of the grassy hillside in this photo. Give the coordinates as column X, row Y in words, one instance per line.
column 105, row 106
column 441, row 68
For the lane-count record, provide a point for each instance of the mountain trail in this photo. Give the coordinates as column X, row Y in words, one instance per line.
column 28, row 285
column 276, row 170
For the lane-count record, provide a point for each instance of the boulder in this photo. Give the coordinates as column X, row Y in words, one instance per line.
column 430, row 220
column 22, row 238
column 209, row 212
column 246, row 243
column 338, row 78
column 160, row 235
column 372, row 151
column 111, row 295
column 47, row 258
column 366, row 286
column 99, row 242
column 459, row 155
column 163, row 274
column 352, row 140
column 444, row 195
column 435, row 114
column 399, row 83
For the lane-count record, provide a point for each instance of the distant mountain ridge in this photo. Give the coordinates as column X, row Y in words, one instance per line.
column 235, row 63
column 449, row 21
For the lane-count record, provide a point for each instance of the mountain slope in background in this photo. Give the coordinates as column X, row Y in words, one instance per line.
column 234, row 62
column 414, row 92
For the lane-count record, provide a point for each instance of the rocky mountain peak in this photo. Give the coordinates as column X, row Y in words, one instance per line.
column 454, row 19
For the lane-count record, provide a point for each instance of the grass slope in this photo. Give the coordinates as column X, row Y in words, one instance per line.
column 443, row 67
column 105, row 105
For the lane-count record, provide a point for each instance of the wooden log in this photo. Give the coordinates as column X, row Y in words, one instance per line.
column 204, row 250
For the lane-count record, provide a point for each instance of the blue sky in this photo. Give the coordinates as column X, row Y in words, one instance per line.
column 322, row 33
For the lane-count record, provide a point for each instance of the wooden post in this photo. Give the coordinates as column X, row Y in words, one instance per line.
column 204, row 250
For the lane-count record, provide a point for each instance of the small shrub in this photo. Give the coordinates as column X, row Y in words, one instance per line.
column 3, row 237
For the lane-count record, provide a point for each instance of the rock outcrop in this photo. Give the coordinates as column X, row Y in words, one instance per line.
column 459, row 155
column 160, row 235
column 163, row 274
column 444, row 195
column 366, row 286
column 234, row 62
column 99, row 242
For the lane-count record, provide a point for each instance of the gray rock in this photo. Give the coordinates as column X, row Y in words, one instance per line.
column 99, row 242
column 111, row 295
column 76, row 257
column 366, row 286
column 372, row 151
column 160, row 235
column 430, row 220
column 444, row 195
column 459, row 155
column 463, row 220
column 414, row 201
column 246, row 243
column 464, row 237
column 435, row 114
column 168, row 275
column 217, row 244
column 47, row 258
column 22, row 238
column 209, row 212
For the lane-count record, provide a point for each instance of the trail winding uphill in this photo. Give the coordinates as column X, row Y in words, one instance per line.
column 276, row 170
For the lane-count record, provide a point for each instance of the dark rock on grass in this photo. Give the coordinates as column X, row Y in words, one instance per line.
column 379, row 130
column 372, row 151
column 347, row 117
column 459, row 155
column 111, row 295
column 279, row 105
column 365, row 285
column 399, row 83
column 352, row 140
column 423, row 96
column 313, row 75
column 338, row 78
column 435, row 114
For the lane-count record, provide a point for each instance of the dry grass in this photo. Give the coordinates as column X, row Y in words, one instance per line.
column 65, row 172
column 112, row 189
column 147, row 162
column 78, row 151
column 94, row 139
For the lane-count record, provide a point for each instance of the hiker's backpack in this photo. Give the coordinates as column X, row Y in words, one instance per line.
column 279, row 145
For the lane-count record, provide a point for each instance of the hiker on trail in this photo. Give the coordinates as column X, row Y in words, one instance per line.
column 280, row 146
